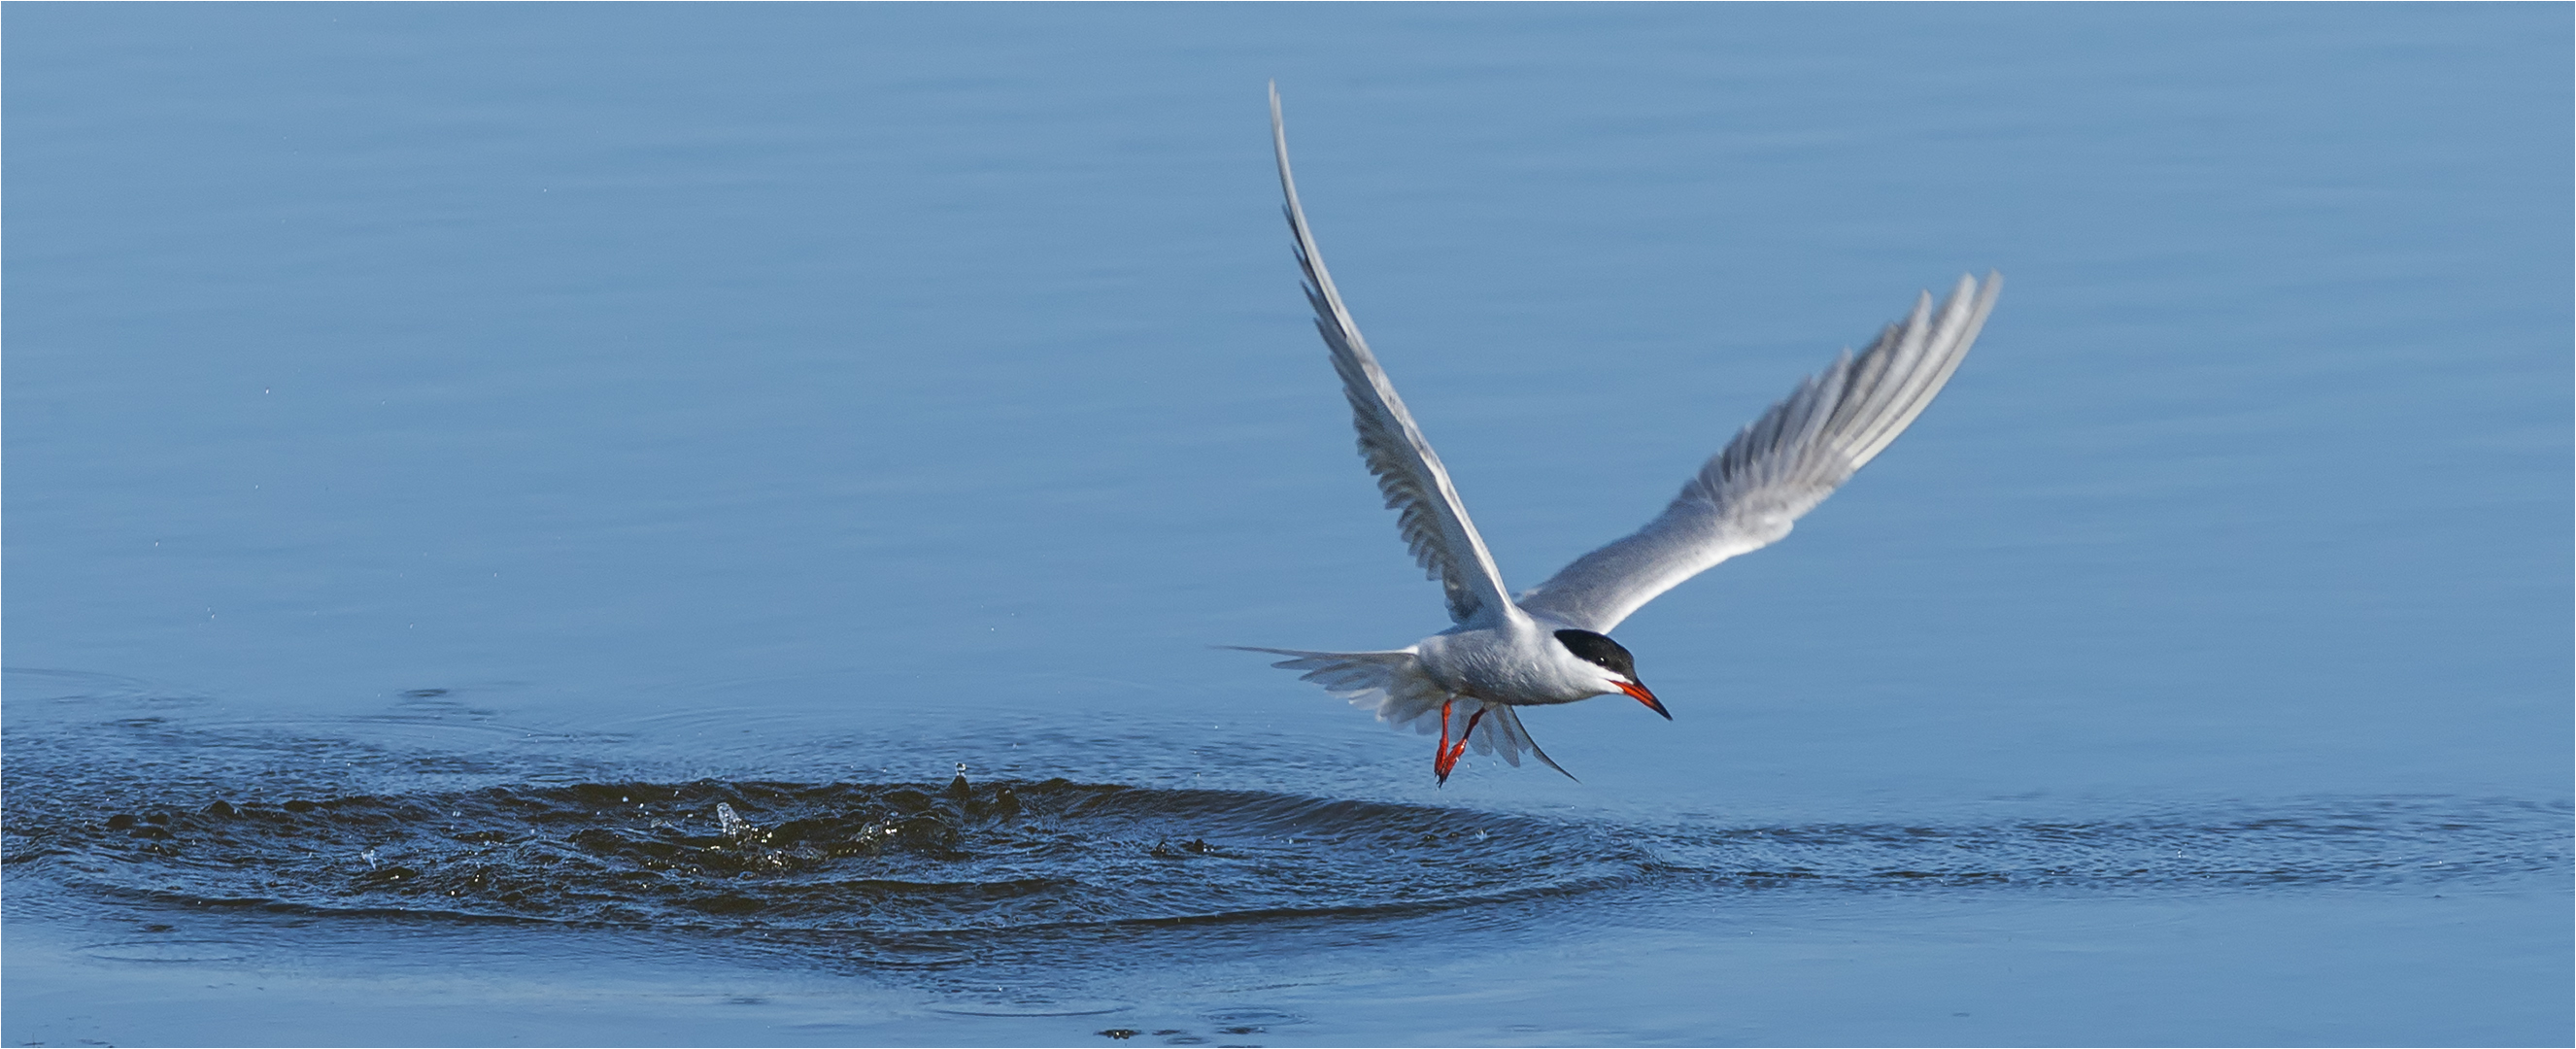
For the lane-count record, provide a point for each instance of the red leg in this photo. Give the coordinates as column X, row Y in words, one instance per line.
column 1441, row 762
column 1445, row 758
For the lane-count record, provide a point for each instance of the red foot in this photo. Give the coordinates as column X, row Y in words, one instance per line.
column 1444, row 758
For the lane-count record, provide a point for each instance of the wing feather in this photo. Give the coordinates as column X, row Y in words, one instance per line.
column 1428, row 512
column 1779, row 467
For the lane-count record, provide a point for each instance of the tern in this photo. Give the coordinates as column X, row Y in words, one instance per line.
column 1550, row 644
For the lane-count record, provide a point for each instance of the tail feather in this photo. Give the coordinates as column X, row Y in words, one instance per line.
column 1392, row 686
column 1502, row 733
column 1387, row 684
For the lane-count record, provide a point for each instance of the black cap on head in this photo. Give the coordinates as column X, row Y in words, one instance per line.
column 1599, row 650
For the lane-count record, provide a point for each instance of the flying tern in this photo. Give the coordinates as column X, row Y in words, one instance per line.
column 1550, row 644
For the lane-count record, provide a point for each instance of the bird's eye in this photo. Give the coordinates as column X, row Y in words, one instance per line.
column 1599, row 651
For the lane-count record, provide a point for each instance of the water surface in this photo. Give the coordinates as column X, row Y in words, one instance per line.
column 451, row 451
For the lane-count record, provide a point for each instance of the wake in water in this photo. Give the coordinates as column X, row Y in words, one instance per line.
column 247, row 818
column 892, row 858
column 903, row 859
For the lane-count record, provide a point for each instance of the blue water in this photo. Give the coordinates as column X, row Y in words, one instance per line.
column 470, row 443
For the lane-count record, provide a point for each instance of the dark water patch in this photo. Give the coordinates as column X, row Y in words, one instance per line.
column 908, row 864
column 874, row 858
column 250, row 818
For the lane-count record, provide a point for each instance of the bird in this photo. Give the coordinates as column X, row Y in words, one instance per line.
column 1551, row 644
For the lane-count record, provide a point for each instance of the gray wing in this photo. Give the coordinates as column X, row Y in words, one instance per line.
column 1409, row 473
column 1778, row 468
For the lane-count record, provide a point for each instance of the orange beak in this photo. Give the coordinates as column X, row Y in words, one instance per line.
column 1638, row 692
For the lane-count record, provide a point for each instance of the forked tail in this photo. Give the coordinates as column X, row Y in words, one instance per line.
column 1393, row 686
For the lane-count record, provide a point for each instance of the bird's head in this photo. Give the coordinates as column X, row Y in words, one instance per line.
column 1617, row 668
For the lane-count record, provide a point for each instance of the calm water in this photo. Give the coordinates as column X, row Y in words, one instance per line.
column 453, row 451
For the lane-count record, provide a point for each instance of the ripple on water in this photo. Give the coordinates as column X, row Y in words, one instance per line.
column 2346, row 842
column 307, row 826
column 884, row 858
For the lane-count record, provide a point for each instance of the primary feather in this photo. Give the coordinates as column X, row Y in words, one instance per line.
column 1779, row 467
column 1428, row 512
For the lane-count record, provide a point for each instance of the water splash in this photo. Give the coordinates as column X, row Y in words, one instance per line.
column 887, row 858
column 731, row 824
column 901, row 859
column 247, row 818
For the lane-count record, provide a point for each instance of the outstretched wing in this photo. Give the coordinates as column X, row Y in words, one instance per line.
column 1778, row 468
column 1408, row 472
